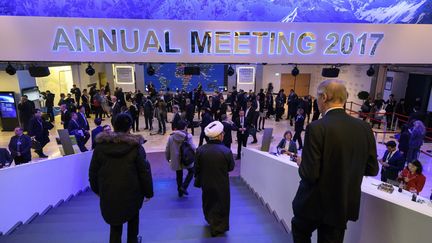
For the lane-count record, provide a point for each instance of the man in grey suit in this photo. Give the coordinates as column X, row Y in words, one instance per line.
column 338, row 151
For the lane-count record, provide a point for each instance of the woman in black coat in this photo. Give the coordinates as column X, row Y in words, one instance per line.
column 120, row 174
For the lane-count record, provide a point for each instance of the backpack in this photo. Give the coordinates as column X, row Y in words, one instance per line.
column 187, row 153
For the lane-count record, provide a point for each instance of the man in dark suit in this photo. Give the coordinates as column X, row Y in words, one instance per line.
column 176, row 118
column 98, row 129
column 65, row 116
column 242, row 132
column 75, row 129
column 148, row 113
column 391, row 163
column 20, row 146
column 115, row 109
column 77, row 92
column 250, row 120
column 83, row 122
column 49, row 103
column 206, row 119
column 38, row 129
column 70, row 103
column 190, row 113
column 338, row 151
column 26, row 111
column 229, row 126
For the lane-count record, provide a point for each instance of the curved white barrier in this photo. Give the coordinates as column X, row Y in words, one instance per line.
column 384, row 217
column 31, row 188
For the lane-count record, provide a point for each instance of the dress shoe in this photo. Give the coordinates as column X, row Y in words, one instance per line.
column 184, row 191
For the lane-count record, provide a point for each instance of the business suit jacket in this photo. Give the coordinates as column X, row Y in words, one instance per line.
column 83, row 122
column 24, row 148
column 228, row 127
column 74, row 128
column 396, row 164
column 65, row 118
column 39, row 129
column 94, row 133
column 247, row 125
column 250, row 117
column 175, row 121
column 338, row 151
column 5, row 157
column 190, row 112
column 115, row 110
column 291, row 147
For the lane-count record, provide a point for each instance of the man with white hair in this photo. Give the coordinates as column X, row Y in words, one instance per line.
column 213, row 162
column 338, row 151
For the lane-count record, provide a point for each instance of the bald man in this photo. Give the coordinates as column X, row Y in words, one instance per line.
column 338, row 151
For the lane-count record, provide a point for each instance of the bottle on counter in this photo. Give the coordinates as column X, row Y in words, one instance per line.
column 400, row 186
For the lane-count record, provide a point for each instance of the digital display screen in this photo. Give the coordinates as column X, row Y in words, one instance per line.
column 32, row 93
column 211, row 77
column 7, row 105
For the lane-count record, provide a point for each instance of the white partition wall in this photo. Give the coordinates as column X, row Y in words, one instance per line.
column 31, row 188
column 384, row 217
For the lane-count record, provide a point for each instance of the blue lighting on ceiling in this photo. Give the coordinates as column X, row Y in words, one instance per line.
column 338, row 11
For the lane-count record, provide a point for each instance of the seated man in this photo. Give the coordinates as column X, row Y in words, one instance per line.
column 5, row 158
column 75, row 129
column 391, row 163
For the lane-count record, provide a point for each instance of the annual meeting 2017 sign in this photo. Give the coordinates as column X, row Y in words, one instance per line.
column 212, row 42
column 120, row 40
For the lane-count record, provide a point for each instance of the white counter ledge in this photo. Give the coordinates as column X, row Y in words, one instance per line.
column 384, row 217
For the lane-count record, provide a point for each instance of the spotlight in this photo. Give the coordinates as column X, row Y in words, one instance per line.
column 295, row 71
column 230, row 71
column 10, row 69
column 90, row 70
column 150, row 70
column 371, row 71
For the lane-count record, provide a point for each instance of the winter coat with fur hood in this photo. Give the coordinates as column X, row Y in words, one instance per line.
column 120, row 174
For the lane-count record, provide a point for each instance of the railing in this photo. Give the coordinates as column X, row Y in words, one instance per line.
column 384, row 123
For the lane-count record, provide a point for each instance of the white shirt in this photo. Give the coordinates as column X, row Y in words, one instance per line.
column 333, row 108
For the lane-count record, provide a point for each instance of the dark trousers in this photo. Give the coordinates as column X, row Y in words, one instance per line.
column 302, row 231
column 148, row 121
column 179, row 177
column 20, row 160
column 389, row 120
column 87, row 109
column 241, row 141
column 202, row 137
column 162, row 125
column 50, row 112
column 261, row 123
column 81, row 142
column 297, row 136
column 98, row 112
column 132, row 231
column 135, row 125
column 191, row 126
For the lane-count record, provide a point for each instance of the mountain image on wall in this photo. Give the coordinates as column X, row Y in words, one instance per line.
column 338, row 11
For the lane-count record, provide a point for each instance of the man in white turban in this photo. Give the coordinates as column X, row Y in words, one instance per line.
column 213, row 162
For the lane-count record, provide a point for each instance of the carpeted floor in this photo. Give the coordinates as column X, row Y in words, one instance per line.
column 161, row 169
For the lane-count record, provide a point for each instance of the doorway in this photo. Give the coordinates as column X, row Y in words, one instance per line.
column 300, row 83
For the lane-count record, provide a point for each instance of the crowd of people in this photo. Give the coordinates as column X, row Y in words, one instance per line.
column 211, row 162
